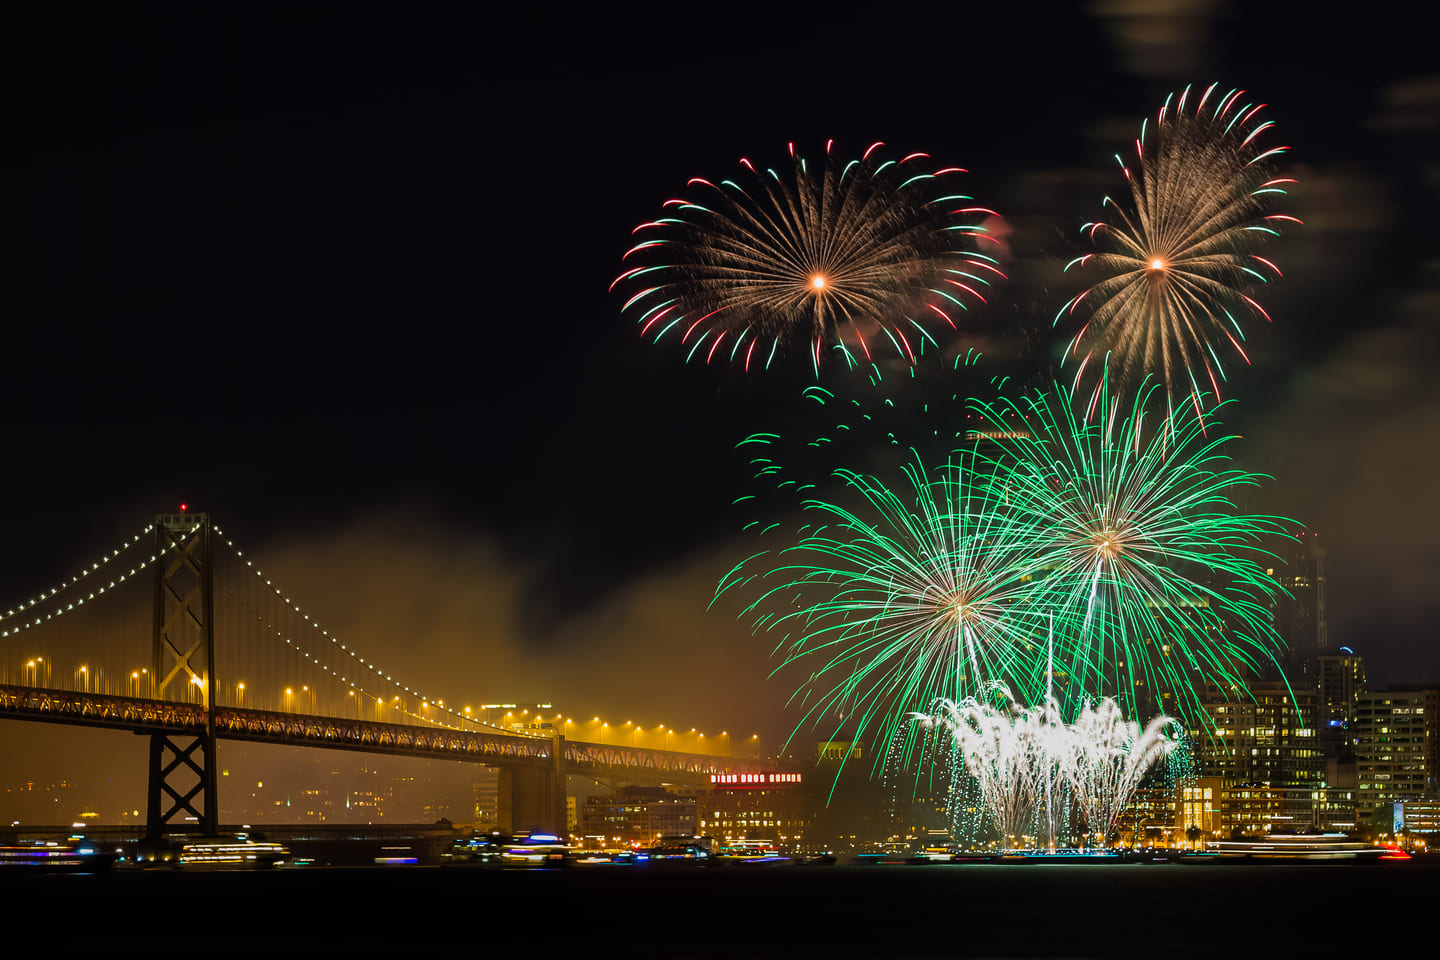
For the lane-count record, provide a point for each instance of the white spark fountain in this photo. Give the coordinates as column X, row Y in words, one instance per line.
column 1037, row 773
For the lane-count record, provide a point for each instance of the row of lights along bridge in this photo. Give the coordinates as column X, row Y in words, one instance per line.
column 39, row 672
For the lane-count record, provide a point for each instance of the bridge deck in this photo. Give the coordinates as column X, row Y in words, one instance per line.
column 264, row 726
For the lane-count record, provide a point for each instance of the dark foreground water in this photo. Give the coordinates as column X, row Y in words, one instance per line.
column 936, row 910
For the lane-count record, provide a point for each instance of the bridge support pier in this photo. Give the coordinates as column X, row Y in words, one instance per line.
column 532, row 799
column 179, row 773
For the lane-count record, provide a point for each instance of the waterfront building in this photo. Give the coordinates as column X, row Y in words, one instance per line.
column 637, row 816
column 1417, row 817
column 1151, row 817
column 1253, row 809
column 1197, row 814
column 765, row 806
column 1334, row 808
column 1213, row 808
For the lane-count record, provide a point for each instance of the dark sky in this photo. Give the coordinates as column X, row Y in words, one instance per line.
column 341, row 281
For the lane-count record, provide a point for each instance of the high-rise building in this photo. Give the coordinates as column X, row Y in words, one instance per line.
column 1340, row 676
column 1265, row 733
column 1300, row 616
column 1396, row 741
column 1262, row 738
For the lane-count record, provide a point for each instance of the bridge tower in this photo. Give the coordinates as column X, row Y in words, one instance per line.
column 183, row 768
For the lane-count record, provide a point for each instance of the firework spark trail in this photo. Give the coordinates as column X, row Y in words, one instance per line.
column 869, row 255
column 902, row 598
column 1110, row 757
column 1150, row 568
column 1175, row 267
column 1000, row 749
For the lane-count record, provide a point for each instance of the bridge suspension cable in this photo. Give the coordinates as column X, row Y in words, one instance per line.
column 358, row 664
column 85, row 572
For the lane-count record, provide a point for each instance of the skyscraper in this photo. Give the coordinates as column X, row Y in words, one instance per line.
column 1299, row 618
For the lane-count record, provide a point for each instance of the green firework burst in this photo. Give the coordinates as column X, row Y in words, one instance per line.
column 900, row 596
column 1151, row 570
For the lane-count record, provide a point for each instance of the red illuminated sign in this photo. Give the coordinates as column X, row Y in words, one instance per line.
column 738, row 781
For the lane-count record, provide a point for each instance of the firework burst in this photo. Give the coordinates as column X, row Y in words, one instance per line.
column 899, row 599
column 865, row 256
column 1176, row 267
column 1151, row 569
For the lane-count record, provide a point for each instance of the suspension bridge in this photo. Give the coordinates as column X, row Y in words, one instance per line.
column 177, row 636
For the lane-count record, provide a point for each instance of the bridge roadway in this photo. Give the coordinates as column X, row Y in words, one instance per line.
column 335, row 733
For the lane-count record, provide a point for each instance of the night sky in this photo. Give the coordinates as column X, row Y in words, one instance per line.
column 342, row 282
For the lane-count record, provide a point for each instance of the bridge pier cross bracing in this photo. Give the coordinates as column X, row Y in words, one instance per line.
column 184, row 655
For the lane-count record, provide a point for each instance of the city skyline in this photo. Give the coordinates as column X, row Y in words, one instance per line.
column 345, row 289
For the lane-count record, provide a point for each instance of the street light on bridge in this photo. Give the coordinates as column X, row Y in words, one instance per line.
column 35, row 666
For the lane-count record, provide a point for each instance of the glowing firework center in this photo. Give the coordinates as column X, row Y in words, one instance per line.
column 1173, row 267
column 855, row 256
